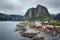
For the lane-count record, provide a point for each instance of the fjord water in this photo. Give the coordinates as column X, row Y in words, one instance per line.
column 7, row 31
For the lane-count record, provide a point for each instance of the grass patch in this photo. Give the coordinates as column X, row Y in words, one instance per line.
column 54, row 24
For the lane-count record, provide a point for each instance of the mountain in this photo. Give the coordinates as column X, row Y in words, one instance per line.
column 39, row 12
column 5, row 17
column 56, row 17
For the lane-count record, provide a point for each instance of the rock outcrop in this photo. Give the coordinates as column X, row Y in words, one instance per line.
column 39, row 11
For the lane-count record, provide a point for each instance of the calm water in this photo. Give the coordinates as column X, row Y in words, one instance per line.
column 7, row 31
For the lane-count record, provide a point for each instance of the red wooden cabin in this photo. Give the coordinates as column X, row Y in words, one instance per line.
column 38, row 27
column 32, row 24
column 51, row 28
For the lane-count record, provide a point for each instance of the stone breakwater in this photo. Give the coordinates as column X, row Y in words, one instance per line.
column 35, row 34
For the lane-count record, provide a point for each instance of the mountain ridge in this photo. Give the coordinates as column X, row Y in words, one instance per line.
column 39, row 11
column 5, row 17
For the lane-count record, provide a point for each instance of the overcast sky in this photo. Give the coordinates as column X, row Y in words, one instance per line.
column 19, row 7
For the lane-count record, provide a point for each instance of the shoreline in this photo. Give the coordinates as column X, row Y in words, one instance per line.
column 35, row 36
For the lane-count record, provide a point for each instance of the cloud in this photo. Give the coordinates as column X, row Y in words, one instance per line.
column 53, row 6
column 19, row 7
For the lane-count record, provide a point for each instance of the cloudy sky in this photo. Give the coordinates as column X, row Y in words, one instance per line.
column 19, row 7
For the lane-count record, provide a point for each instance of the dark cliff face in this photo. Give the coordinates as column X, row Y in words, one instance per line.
column 56, row 17
column 39, row 11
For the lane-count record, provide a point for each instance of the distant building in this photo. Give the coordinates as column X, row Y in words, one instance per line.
column 50, row 27
column 36, row 25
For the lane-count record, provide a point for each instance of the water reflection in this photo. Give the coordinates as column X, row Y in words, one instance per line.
column 7, row 31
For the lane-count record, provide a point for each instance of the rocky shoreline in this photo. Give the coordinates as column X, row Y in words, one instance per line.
column 42, row 34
